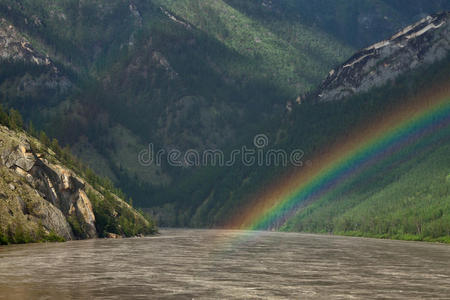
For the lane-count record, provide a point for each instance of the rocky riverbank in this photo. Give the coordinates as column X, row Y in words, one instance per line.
column 41, row 199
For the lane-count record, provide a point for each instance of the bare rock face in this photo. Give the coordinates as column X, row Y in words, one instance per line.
column 425, row 42
column 15, row 47
column 63, row 190
column 51, row 219
column 23, row 209
column 83, row 209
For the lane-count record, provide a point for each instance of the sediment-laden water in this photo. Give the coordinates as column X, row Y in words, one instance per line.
column 218, row 264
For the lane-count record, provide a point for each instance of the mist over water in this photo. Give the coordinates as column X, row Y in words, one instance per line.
column 218, row 264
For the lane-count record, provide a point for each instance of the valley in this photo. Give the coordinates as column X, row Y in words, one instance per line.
column 108, row 78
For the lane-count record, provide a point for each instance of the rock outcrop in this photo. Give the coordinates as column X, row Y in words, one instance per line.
column 59, row 186
column 39, row 196
column 16, row 48
column 43, row 199
column 425, row 42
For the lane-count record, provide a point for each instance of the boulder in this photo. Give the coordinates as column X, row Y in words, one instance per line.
column 20, row 157
column 113, row 236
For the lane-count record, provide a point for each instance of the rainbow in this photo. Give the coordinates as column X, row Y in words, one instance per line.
column 329, row 173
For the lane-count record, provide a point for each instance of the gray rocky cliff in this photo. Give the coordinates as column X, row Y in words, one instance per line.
column 423, row 43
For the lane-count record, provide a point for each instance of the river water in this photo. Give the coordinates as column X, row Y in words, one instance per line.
column 219, row 264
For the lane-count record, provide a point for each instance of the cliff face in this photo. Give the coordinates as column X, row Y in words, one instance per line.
column 39, row 196
column 425, row 42
column 14, row 46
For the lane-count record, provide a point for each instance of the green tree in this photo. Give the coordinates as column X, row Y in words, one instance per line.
column 4, row 118
column 44, row 139
column 55, row 147
column 31, row 130
column 15, row 121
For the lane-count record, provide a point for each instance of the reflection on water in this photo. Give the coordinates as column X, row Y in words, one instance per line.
column 205, row 264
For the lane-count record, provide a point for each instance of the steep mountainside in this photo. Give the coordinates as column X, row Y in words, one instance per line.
column 211, row 195
column 422, row 43
column 358, row 23
column 412, row 202
column 109, row 77
column 408, row 195
column 42, row 199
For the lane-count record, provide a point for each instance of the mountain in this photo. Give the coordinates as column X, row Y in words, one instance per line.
column 43, row 198
column 404, row 195
column 213, row 196
column 109, row 77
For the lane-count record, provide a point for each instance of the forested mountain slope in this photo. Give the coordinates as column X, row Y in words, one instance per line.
column 412, row 202
column 109, row 77
column 213, row 195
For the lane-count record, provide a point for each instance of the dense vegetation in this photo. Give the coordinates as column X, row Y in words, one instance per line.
column 358, row 23
column 406, row 196
column 414, row 204
column 371, row 206
column 116, row 218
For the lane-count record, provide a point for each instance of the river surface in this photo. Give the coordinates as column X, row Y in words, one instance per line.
column 219, row 264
